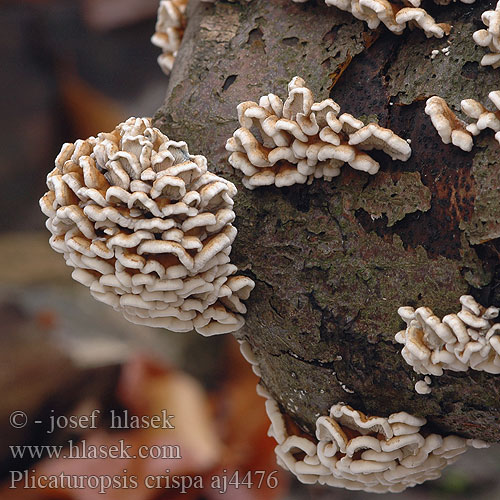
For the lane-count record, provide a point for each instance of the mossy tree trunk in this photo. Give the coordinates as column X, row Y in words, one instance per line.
column 333, row 261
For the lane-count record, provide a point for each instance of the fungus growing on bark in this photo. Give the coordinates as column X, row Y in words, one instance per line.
column 247, row 353
column 458, row 342
column 148, row 229
column 393, row 15
column 360, row 452
column 169, row 31
column 419, row 18
column 452, row 129
column 327, row 262
column 483, row 118
column 295, row 141
column 448, row 126
column 490, row 37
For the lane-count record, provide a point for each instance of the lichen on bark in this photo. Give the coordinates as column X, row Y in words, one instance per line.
column 329, row 276
column 395, row 199
column 484, row 224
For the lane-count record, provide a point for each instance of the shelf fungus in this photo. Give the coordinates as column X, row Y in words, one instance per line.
column 451, row 129
column 148, row 229
column 169, row 31
column 490, row 37
column 361, row 452
column 458, row 342
column 396, row 16
column 295, row 141
column 247, row 353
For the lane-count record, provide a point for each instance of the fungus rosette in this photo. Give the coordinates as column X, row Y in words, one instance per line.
column 148, row 229
column 468, row 339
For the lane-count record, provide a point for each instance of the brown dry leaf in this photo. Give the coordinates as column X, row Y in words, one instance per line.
column 88, row 110
column 146, row 389
column 207, row 469
column 339, row 70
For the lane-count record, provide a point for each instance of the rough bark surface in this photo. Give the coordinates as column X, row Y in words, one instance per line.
column 333, row 261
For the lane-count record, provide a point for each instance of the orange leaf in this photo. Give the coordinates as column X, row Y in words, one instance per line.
column 89, row 110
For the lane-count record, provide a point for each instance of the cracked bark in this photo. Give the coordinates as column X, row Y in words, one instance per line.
column 334, row 260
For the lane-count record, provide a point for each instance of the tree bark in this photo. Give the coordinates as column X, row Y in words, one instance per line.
column 333, row 261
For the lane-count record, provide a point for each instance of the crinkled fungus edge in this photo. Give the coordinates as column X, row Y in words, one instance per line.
column 451, row 129
column 457, row 342
column 148, row 229
column 295, row 141
column 360, row 452
column 490, row 37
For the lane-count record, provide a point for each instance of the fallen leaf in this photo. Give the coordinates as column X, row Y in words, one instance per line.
column 89, row 110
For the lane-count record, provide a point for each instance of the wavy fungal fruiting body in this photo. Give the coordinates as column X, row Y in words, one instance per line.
column 459, row 133
column 148, row 229
column 360, row 452
column 396, row 16
column 458, row 342
column 284, row 143
column 169, row 30
column 490, row 37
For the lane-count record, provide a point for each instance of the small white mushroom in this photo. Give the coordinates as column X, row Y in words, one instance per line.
column 422, row 387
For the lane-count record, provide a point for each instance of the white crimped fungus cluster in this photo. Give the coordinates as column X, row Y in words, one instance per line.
column 452, row 129
column 169, row 30
column 360, row 452
column 284, row 143
column 148, row 229
column 449, row 127
column 490, row 37
column 468, row 339
column 396, row 16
